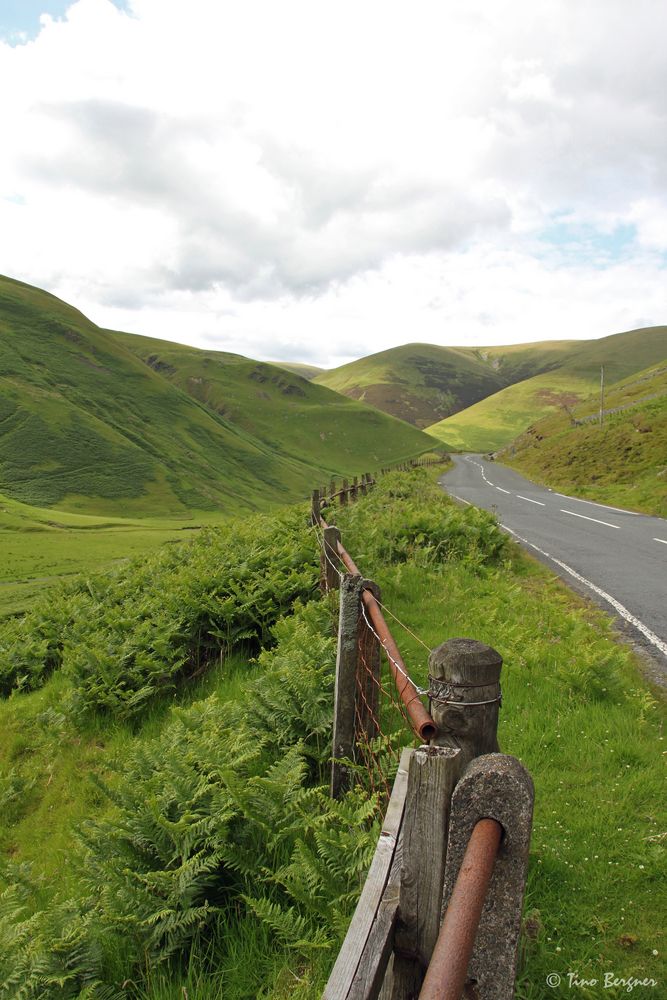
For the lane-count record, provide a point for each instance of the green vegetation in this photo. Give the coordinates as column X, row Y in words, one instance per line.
column 313, row 431
column 192, row 848
column 568, row 373
column 419, row 383
column 622, row 462
column 130, row 635
column 41, row 546
column 89, row 427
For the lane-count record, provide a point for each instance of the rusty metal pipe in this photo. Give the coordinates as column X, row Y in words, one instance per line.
column 420, row 718
column 446, row 975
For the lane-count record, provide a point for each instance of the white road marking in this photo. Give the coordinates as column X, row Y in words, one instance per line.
column 618, row 528
column 489, row 481
column 604, row 506
column 623, row 611
column 531, row 501
column 502, row 490
column 461, row 499
column 663, row 540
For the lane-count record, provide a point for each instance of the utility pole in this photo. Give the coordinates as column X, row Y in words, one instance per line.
column 601, row 394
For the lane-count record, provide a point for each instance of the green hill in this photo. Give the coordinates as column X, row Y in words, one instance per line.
column 310, row 429
column 621, row 461
column 88, row 425
column 570, row 373
column 419, row 383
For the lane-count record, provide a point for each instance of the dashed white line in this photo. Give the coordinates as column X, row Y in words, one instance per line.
column 502, row 490
column 663, row 540
column 461, row 499
column 604, row 506
column 623, row 611
column 617, row 526
column 530, row 500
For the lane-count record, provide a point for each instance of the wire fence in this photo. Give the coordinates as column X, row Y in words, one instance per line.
column 382, row 696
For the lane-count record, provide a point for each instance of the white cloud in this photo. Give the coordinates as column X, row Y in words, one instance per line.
column 319, row 181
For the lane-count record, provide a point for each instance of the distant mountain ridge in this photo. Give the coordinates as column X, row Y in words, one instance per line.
column 480, row 398
column 109, row 423
column 557, row 384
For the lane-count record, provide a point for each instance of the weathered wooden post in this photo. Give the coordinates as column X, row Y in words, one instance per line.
column 332, row 489
column 432, row 777
column 343, row 493
column 369, row 665
column 357, row 683
column 330, row 560
column 355, row 488
column 465, row 696
column 315, row 507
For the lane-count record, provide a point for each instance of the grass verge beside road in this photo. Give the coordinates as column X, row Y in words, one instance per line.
column 575, row 710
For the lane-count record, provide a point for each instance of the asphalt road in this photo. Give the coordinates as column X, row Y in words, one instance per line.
column 617, row 557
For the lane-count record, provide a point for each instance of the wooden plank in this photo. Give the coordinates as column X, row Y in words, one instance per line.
column 433, row 774
column 370, row 973
column 346, row 965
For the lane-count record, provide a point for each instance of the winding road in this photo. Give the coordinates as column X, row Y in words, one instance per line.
column 615, row 556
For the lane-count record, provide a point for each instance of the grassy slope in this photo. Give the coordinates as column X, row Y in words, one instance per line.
column 624, row 461
column 498, row 419
column 575, row 711
column 88, row 426
column 419, row 383
column 310, row 428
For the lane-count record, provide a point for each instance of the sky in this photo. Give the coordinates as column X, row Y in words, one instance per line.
column 316, row 181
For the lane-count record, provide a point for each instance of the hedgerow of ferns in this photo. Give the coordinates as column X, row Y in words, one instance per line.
column 228, row 804
column 409, row 517
column 127, row 636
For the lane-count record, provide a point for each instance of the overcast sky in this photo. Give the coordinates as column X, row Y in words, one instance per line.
column 318, row 181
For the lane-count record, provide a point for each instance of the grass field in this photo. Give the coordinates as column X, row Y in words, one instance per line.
column 623, row 461
column 575, row 710
column 573, row 374
column 40, row 546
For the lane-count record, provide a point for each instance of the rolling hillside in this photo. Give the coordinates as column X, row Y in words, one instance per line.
column 573, row 374
column 623, row 461
column 301, row 423
column 419, row 383
column 89, row 426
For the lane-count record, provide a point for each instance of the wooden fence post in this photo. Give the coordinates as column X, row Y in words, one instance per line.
column 330, row 560
column 369, row 665
column 355, row 488
column 315, row 507
column 357, row 684
column 343, row 493
column 346, row 682
column 464, row 693
column 432, row 777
